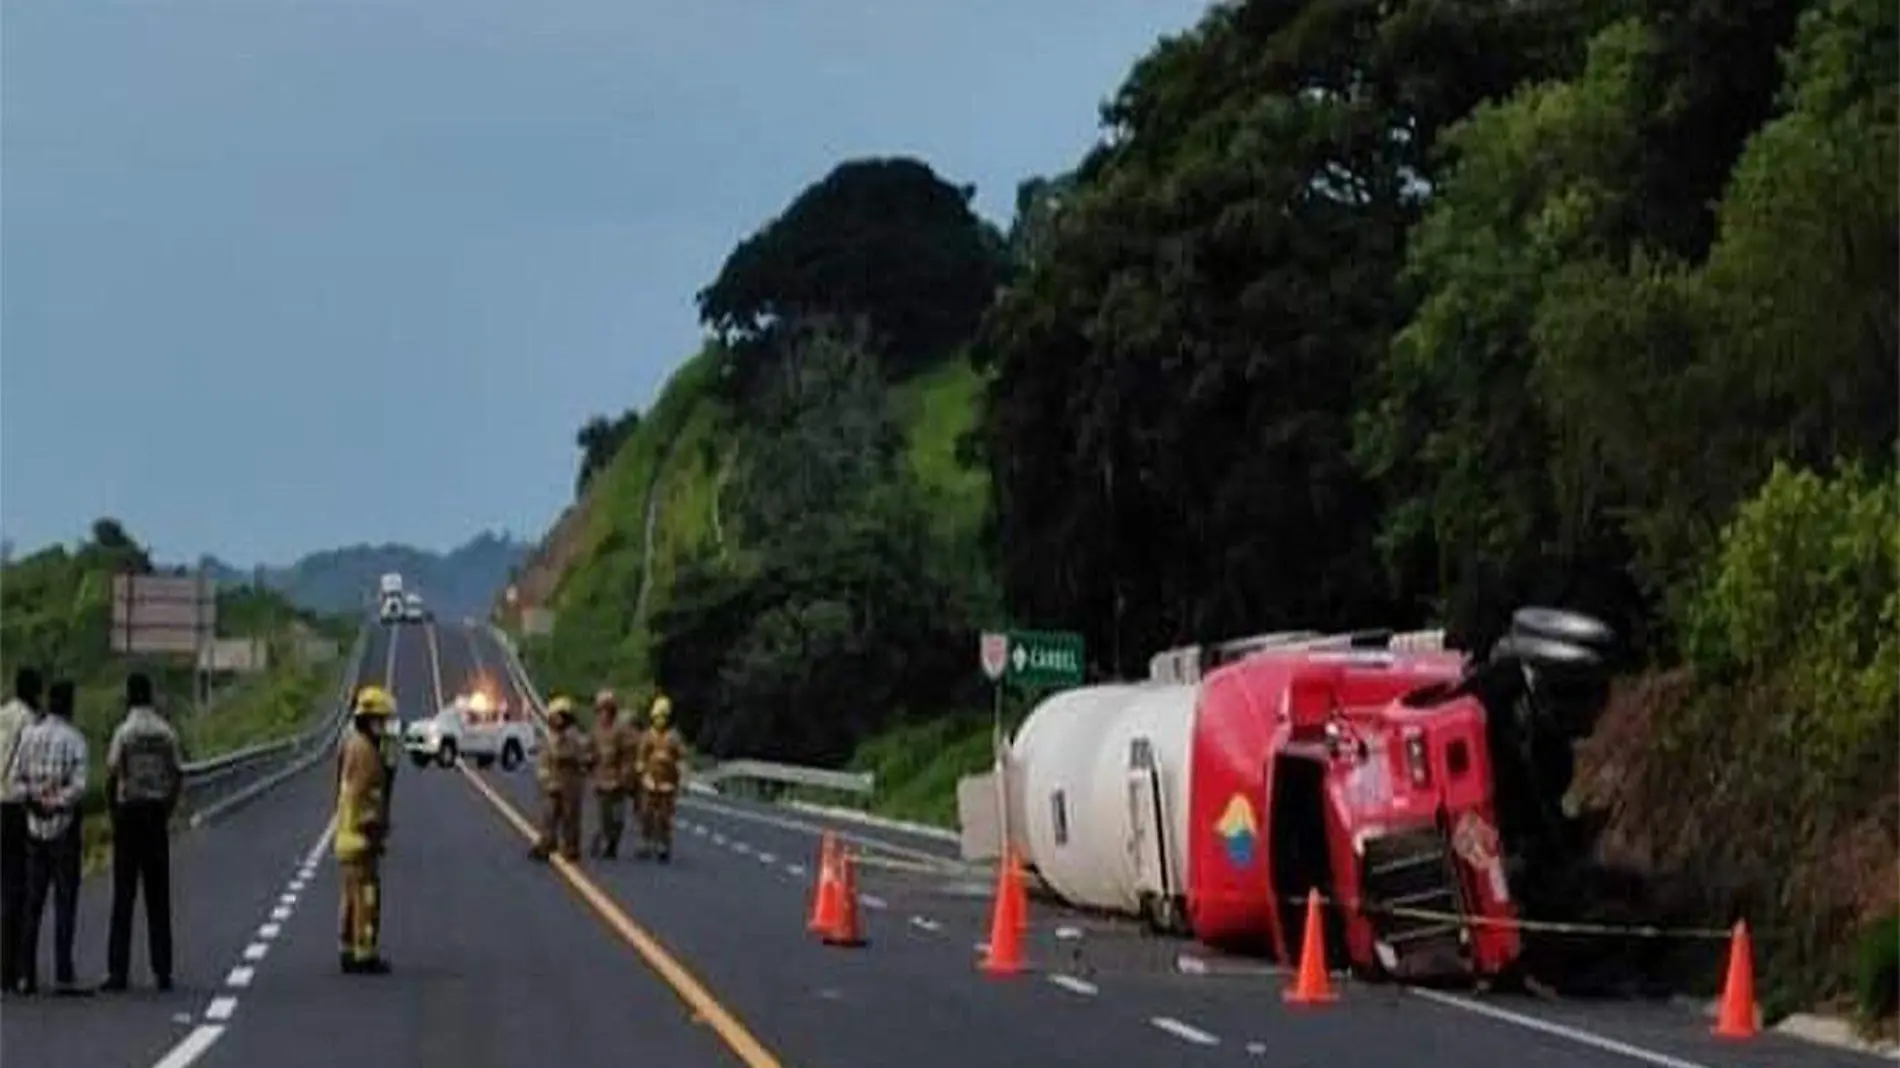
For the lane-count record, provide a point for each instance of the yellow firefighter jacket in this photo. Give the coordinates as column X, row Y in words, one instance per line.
column 359, row 798
column 564, row 761
column 661, row 754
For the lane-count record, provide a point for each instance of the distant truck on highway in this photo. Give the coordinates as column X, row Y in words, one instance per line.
column 472, row 726
column 390, row 603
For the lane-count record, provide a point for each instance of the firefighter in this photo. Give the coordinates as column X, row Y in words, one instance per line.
column 611, row 742
column 661, row 754
column 561, row 769
column 362, row 833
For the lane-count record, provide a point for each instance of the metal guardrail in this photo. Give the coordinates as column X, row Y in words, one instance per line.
column 849, row 782
column 208, row 775
column 758, row 771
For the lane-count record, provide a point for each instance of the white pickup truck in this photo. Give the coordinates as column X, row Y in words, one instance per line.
column 472, row 726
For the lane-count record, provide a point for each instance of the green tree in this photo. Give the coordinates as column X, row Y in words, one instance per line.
column 599, row 439
column 885, row 240
column 1169, row 416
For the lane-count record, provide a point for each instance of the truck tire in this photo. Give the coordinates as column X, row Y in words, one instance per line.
column 511, row 755
column 420, row 760
column 1572, row 628
column 445, row 756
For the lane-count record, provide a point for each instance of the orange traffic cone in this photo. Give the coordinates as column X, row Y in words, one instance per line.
column 1313, row 985
column 1005, row 953
column 844, row 930
column 826, row 900
column 1735, row 1018
column 1019, row 888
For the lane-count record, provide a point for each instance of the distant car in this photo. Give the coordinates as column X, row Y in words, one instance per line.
column 472, row 726
column 392, row 609
column 414, row 610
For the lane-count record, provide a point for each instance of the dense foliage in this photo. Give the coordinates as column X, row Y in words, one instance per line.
column 1362, row 314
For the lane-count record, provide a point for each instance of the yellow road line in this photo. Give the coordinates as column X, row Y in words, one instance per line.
column 689, row 989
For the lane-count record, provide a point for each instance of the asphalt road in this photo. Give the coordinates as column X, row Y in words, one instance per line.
column 706, row 961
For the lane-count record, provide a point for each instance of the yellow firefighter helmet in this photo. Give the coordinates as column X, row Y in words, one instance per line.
column 560, row 708
column 662, row 710
column 374, row 701
column 605, row 699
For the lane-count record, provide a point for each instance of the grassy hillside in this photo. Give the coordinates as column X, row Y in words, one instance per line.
column 666, row 496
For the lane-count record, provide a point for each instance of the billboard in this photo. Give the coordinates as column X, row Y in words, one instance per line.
column 163, row 614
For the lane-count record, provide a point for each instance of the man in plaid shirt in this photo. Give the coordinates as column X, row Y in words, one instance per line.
column 49, row 773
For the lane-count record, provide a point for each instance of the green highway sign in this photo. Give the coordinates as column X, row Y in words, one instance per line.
column 1043, row 659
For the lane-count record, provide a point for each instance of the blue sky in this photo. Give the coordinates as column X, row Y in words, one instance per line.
column 278, row 276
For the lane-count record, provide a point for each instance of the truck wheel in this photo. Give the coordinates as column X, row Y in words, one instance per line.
column 420, row 760
column 445, row 756
column 510, row 755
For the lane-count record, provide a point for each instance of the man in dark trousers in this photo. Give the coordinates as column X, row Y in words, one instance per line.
column 49, row 771
column 143, row 780
column 15, row 717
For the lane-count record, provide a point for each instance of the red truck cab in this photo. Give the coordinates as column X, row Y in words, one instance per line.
column 1312, row 772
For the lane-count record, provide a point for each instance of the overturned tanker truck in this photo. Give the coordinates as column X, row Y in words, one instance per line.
column 1418, row 788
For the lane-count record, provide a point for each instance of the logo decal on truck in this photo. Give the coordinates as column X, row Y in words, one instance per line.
column 1238, row 830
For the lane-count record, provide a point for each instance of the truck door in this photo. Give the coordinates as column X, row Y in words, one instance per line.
column 1147, row 843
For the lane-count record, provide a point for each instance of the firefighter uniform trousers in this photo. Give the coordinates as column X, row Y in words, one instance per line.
column 360, row 921
column 561, row 823
column 657, row 816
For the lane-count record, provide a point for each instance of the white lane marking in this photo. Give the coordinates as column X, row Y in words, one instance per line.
column 741, row 847
column 924, row 923
column 1184, row 1032
column 872, row 901
column 1074, row 985
column 699, row 829
column 280, row 913
column 269, row 930
column 795, row 869
column 767, row 858
column 200, row 1038
column 1581, row 1037
column 719, row 839
column 1257, row 1049
column 220, row 1008
column 191, row 1047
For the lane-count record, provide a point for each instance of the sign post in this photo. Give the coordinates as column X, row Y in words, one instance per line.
column 1029, row 660
column 166, row 615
